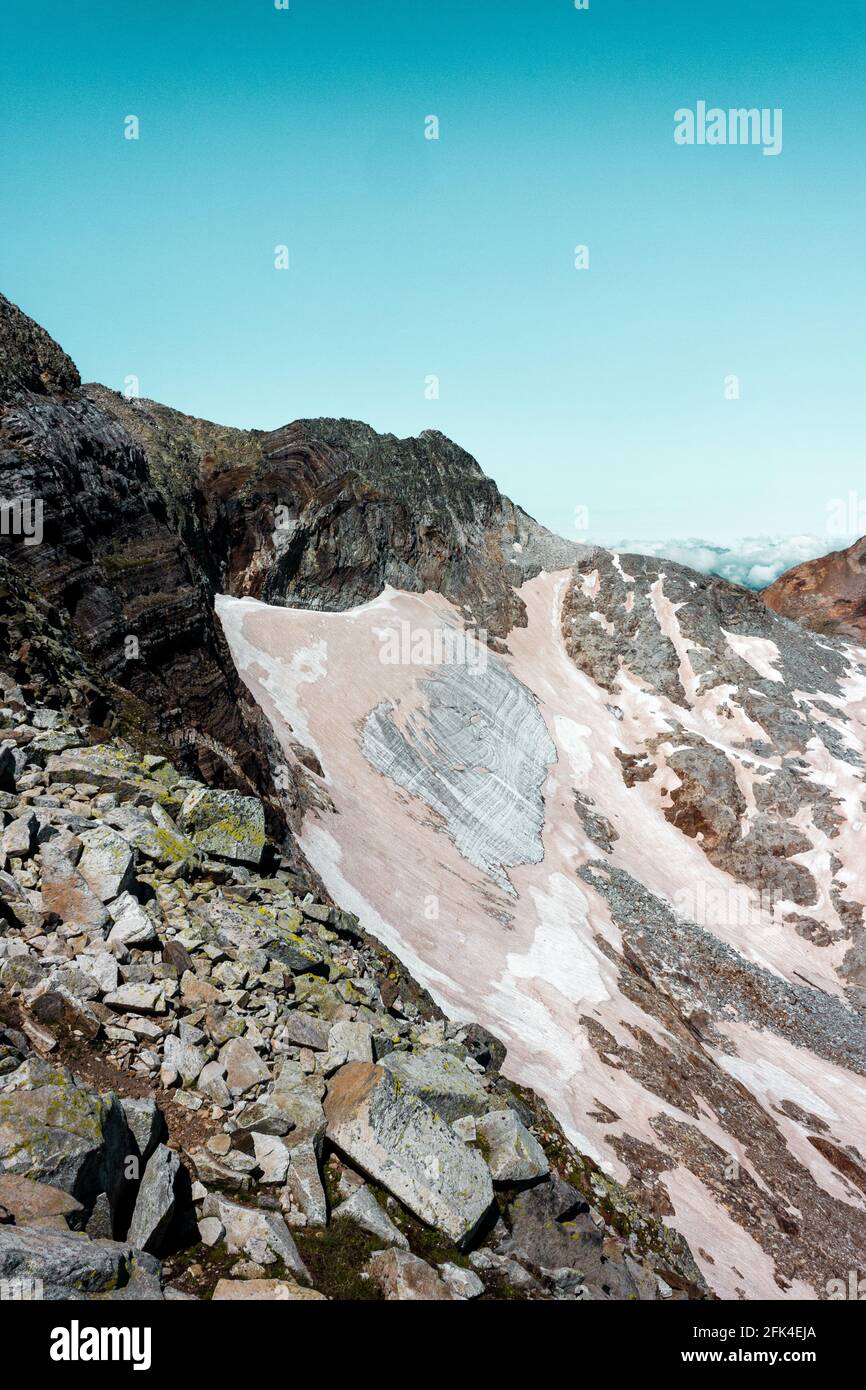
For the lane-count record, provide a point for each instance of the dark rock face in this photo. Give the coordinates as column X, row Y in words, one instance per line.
column 148, row 513
column 827, row 595
column 31, row 361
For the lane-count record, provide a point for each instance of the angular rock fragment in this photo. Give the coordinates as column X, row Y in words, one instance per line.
column 68, row 1266
column 365, row 1211
column 404, row 1277
column 512, row 1153
column 244, row 1067
column 401, row 1143
column 245, row 1226
column 107, row 862
column 155, row 1201
column 274, row 1290
column 66, row 894
column 225, row 823
column 441, row 1080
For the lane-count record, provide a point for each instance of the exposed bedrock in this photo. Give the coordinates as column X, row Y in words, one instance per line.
column 827, row 594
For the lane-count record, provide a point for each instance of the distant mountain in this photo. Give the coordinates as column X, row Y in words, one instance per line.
column 827, row 595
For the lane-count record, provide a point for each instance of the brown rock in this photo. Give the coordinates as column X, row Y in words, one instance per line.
column 404, row 1277
column 827, row 594
column 36, row 1203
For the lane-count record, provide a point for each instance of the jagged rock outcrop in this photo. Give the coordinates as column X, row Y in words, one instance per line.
column 827, row 595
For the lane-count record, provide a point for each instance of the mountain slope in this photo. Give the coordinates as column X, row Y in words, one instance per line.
column 609, row 807
column 630, row 850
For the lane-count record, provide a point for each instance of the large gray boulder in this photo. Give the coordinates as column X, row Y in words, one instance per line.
column 225, row 823
column 66, row 894
column 441, row 1080
column 107, row 862
column 55, row 1129
column 513, row 1154
column 68, row 1266
column 406, row 1147
column 155, row 1201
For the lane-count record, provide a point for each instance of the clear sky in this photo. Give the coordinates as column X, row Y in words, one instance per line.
column 410, row 257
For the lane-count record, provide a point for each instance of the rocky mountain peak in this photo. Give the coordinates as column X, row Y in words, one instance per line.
column 30, row 360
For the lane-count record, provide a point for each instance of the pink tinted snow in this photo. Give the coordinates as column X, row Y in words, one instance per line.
column 528, row 966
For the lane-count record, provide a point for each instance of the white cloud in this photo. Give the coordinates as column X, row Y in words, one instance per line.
column 754, row 562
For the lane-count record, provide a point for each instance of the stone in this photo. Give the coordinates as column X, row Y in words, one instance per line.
column 440, row 1080
column 146, row 1125
column 272, row 1157
column 107, row 862
column 155, row 1201
column 138, row 999
column 56, row 1008
column 404, row 1277
column 66, row 894
column 513, row 1154
column 132, row 926
column 211, row 1230
column 69, row 1265
column 197, row 993
column 19, row 837
column 466, row 1128
column 406, row 1147
column 551, row 1227
column 102, row 967
column 36, row 1203
column 225, row 823
column 463, row 1283
column 246, row 1225
column 348, row 1042
column 187, row 1058
column 178, row 956
column 211, row 1083
column 154, row 834
column 18, row 906
column 111, row 769
column 365, row 1211
column 276, row 1290
column 244, row 1067
column 304, row 1183
column 212, row 1170
column 307, row 1031
column 72, row 981
column 54, row 1129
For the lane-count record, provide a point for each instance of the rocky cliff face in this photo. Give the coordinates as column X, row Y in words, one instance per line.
column 620, row 829
column 827, row 595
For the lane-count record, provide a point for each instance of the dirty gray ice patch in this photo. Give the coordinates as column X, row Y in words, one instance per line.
column 478, row 755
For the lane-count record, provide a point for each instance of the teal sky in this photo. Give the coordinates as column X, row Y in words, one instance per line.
column 410, row 257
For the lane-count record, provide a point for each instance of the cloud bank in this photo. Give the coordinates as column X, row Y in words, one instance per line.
column 754, row 561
